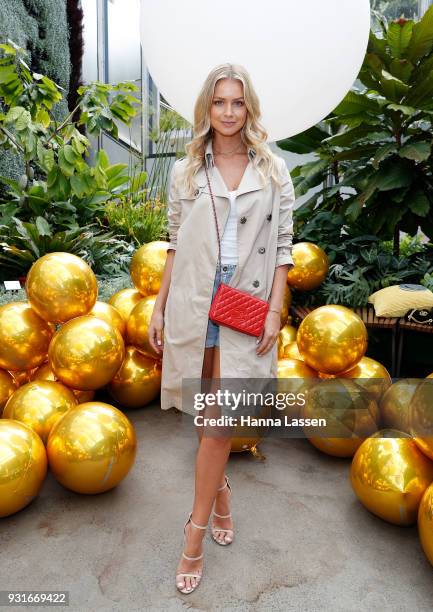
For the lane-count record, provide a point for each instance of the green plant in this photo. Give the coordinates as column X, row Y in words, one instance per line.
column 60, row 190
column 137, row 222
column 103, row 251
column 376, row 146
column 361, row 265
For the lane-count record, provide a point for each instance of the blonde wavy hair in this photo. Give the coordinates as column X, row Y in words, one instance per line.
column 253, row 134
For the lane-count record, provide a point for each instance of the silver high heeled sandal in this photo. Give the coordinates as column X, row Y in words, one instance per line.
column 215, row 529
column 191, row 575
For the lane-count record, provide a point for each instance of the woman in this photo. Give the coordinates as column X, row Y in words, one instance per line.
column 254, row 196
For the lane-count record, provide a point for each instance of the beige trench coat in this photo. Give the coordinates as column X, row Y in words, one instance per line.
column 265, row 230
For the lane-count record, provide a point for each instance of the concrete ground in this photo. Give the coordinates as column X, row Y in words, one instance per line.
column 303, row 541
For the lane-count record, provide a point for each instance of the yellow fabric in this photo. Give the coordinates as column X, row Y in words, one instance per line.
column 396, row 300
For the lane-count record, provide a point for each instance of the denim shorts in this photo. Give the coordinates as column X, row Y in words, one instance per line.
column 213, row 329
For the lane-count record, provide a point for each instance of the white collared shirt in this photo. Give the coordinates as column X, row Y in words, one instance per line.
column 229, row 240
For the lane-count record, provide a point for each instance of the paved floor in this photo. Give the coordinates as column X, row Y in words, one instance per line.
column 304, row 541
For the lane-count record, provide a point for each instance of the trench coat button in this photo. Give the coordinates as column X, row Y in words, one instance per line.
column 243, row 219
column 256, row 283
column 269, row 217
column 262, row 250
column 224, row 268
column 196, row 192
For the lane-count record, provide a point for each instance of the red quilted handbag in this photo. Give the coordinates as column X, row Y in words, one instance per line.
column 233, row 308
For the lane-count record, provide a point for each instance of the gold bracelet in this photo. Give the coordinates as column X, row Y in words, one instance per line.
column 274, row 310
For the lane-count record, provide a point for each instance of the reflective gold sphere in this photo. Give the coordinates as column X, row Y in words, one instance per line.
column 389, row 476
column 351, row 415
column 24, row 337
column 311, row 266
column 395, row 405
column 22, row 377
column 332, row 339
column 291, row 351
column 40, row 404
column 23, row 466
column 294, row 377
column 44, row 372
column 86, row 353
column 8, row 386
column 421, row 416
column 147, row 266
column 243, row 444
column 83, row 396
column 92, row 448
column 137, row 328
column 371, row 376
column 425, row 523
column 285, row 337
column 124, row 301
column 287, row 302
column 108, row 313
column 138, row 381
column 61, row 286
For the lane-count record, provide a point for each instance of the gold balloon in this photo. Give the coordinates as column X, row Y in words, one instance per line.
column 291, row 351
column 22, row 377
column 8, row 386
column 311, row 266
column 247, row 437
column 83, row 396
column 332, row 339
column 425, row 523
column 421, row 416
column 138, row 380
column 350, row 414
column 86, row 353
column 137, row 329
column 24, row 337
column 147, row 266
column 243, row 444
column 23, row 466
column 44, row 372
column 40, row 404
column 389, row 475
column 287, row 302
column 108, row 313
column 285, row 337
column 61, row 286
column 124, row 301
column 92, row 448
column 293, row 377
column 395, row 405
column 371, row 376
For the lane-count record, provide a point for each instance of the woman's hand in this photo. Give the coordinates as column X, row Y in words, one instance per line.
column 270, row 333
column 156, row 325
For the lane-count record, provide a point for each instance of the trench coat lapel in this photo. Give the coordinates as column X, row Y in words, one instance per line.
column 250, row 180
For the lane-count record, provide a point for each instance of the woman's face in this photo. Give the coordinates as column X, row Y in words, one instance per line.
column 228, row 111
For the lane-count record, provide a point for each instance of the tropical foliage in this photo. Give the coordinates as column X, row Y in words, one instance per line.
column 62, row 189
column 374, row 162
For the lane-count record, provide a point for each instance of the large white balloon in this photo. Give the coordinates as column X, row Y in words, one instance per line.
column 303, row 55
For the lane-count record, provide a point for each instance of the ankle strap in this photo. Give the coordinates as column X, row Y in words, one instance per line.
column 193, row 523
column 226, row 484
column 192, row 558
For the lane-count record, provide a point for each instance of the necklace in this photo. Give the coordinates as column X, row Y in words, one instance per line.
column 227, row 153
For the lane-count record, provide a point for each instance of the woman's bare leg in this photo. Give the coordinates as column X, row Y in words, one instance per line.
column 212, row 455
column 222, row 499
